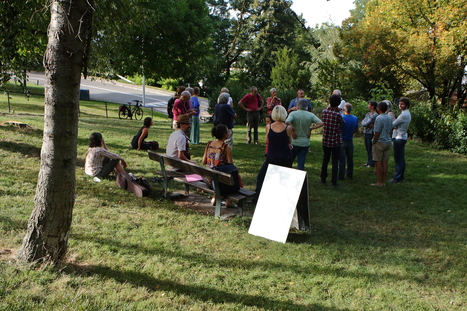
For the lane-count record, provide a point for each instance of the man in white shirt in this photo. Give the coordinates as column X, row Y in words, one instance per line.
column 177, row 144
column 399, row 138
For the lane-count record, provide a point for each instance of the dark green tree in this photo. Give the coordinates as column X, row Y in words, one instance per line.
column 23, row 37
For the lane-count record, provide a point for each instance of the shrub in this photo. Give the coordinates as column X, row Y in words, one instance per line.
column 443, row 129
column 169, row 84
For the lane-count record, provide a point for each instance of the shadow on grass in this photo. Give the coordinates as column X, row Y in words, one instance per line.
column 24, row 149
column 247, row 265
column 203, row 293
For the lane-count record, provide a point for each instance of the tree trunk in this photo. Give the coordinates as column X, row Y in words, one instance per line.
column 46, row 239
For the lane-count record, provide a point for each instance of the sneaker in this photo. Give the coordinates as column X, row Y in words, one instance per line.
column 393, row 181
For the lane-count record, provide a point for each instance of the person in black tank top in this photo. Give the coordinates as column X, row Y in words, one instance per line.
column 279, row 136
column 138, row 142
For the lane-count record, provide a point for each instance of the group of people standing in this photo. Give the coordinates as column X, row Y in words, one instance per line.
column 288, row 133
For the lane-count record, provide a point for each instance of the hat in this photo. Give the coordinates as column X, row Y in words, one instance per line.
column 183, row 119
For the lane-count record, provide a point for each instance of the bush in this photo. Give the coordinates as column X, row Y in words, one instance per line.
column 169, row 84
column 422, row 125
column 139, row 80
column 444, row 129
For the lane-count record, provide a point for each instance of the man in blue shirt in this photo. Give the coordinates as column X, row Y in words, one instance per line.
column 348, row 129
column 294, row 102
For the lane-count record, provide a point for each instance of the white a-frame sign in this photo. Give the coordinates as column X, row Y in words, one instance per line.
column 284, row 193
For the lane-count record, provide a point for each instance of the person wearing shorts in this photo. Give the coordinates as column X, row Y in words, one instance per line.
column 381, row 143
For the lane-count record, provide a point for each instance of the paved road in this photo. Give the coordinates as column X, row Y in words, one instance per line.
column 107, row 90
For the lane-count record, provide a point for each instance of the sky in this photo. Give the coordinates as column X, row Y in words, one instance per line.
column 321, row 11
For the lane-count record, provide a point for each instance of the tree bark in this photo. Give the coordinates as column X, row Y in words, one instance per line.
column 46, row 239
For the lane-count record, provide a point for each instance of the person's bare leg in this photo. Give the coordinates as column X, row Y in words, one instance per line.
column 379, row 172
column 119, row 169
column 384, row 172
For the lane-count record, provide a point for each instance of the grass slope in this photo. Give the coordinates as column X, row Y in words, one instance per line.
column 402, row 247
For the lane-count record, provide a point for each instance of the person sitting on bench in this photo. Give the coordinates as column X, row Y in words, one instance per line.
column 218, row 153
column 99, row 161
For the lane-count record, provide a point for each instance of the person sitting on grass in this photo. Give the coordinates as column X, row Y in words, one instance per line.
column 99, row 161
column 138, row 142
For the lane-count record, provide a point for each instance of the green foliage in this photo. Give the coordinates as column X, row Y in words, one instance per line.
column 404, row 41
column 381, row 92
column 138, row 79
column 169, row 84
column 23, row 37
column 359, row 108
column 444, row 129
column 163, row 37
column 285, row 73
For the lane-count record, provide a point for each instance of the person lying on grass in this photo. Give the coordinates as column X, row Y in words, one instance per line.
column 99, row 161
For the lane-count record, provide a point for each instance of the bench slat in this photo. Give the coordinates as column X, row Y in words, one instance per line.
column 191, row 168
column 185, row 168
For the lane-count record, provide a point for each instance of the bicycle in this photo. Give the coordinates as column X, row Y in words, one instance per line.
column 126, row 112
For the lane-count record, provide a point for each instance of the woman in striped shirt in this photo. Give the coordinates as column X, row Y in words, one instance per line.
column 99, row 161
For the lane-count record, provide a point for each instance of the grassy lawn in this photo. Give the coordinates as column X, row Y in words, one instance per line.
column 402, row 247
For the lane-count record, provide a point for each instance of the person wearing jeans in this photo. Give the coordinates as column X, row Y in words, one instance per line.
column 368, row 123
column 332, row 139
column 348, row 129
column 301, row 120
column 399, row 138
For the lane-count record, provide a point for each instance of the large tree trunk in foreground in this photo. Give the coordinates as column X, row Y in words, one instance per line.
column 46, row 239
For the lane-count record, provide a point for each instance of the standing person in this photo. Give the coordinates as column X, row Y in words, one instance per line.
column 301, row 120
column 279, row 141
column 294, row 102
column 368, row 123
column 272, row 101
column 138, row 142
column 194, row 135
column 99, row 161
column 226, row 90
column 382, row 143
column 254, row 104
column 170, row 104
column 399, row 138
column 341, row 105
column 224, row 114
column 181, row 107
column 348, row 129
column 389, row 111
column 332, row 139
column 177, row 146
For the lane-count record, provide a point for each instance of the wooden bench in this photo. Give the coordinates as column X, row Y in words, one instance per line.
column 183, row 168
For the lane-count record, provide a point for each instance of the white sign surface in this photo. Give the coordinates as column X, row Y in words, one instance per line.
column 277, row 202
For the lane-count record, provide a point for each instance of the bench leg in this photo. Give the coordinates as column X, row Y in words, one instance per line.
column 216, row 187
column 187, row 190
column 240, row 207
